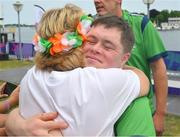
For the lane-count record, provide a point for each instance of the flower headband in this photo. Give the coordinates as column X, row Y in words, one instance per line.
column 64, row 42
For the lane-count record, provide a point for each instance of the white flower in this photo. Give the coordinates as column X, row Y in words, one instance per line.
column 72, row 42
column 39, row 48
column 85, row 26
column 64, row 41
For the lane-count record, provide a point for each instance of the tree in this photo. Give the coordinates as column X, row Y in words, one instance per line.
column 174, row 13
column 165, row 14
column 159, row 19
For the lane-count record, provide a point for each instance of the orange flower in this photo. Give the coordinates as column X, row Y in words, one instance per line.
column 56, row 44
column 79, row 28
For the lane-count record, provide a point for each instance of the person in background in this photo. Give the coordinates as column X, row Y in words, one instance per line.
column 2, row 88
column 102, row 51
column 147, row 55
column 6, row 104
column 10, row 102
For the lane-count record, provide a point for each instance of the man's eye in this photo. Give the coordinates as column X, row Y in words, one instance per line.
column 90, row 42
column 108, row 47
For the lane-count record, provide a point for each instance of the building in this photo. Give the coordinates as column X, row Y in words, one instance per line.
column 174, row 22
column 1, row 18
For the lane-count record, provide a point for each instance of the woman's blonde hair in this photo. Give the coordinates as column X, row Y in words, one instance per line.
column 59, row 21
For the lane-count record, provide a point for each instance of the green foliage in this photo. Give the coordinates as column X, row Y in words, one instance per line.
column 174, row 13
column 165, row 14
column 160, row 18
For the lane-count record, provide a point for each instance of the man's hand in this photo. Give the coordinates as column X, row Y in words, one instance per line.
column 159, row 123
column 14, row 97
column 38, row 125
column 2, row 87
column 2, row 132
column 3, row 95
column 43, row 125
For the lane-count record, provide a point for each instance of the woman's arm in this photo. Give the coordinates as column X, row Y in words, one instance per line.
column 144, row 81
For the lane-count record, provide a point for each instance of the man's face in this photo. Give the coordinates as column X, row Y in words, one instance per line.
column 106, row 6
column 103, row 48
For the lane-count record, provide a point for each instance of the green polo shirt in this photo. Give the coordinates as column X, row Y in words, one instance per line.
column 137, row 119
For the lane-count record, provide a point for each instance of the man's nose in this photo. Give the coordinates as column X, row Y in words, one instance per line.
column 96, row 1
column 97, row 48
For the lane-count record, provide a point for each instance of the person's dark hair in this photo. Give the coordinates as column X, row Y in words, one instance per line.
column 111, row 21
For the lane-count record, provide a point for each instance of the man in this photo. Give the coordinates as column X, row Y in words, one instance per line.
column 103, row 49
column 6, row 105
column 148, row 52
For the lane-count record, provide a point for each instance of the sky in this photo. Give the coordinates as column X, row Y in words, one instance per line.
column 27, row 15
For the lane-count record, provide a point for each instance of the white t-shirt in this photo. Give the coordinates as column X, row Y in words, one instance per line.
column 90, row 100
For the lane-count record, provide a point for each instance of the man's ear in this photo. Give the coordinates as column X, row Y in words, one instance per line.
column 125, row 58
column 119, row 1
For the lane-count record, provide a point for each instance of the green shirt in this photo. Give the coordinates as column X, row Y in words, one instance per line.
column 137, row 119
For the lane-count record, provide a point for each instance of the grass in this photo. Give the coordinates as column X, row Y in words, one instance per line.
column 172, row 122
column 1, row 82
column 9, row 64
column 172, row 125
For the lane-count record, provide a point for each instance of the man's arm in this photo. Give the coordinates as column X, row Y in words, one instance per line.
column 3, row 118
column 3, row 132
column 161, row 89
column 10, row 102
column 144, row 82
column 38, row 125
column 2, row 87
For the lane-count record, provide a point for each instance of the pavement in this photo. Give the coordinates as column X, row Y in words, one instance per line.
column 173, row 105
column 13, row 75
column 173, row 102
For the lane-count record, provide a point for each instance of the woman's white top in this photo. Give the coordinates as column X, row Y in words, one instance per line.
column 89, row 99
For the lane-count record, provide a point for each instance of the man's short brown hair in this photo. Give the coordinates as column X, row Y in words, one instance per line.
column 111, row 21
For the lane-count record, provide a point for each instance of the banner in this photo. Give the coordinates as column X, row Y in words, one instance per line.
column 173, row 60
column 27, row 49
column 2, row 48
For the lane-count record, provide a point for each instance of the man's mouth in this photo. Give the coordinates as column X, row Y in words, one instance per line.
column 93, row 59
column 99, row 7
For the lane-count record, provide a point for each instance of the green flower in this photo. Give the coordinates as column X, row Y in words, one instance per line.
column 85, row 17
column 46, row 44
column 77, row 39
